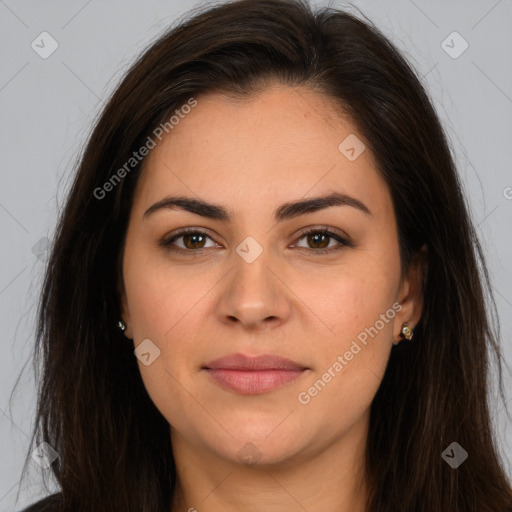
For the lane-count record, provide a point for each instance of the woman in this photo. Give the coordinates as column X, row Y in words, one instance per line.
column 265, row 291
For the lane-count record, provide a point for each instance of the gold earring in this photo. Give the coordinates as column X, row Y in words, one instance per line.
column 406, row 332
column 121, row 325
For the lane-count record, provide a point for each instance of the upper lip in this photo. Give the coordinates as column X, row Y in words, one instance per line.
column 250, row 363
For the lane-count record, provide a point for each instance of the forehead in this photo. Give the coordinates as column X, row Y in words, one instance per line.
column 279, row 144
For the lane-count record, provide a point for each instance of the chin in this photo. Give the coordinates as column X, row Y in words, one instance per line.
column 263, row 445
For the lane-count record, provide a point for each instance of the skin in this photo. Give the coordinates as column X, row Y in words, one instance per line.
column 251, row 157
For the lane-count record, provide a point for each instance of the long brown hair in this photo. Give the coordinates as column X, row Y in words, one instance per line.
column 93, row 410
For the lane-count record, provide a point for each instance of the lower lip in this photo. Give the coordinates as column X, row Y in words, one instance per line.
column 253, row 382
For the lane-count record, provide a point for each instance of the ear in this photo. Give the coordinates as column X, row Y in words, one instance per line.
column 410, row 295
column 125, row 311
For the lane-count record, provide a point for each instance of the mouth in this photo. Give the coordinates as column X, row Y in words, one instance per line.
column 253, row 375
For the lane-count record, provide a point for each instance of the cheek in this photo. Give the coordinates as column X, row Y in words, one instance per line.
column 166, row 305
column 160, row 295
column 162, row 308
column 349, row 368
column 351, row 298
column 359, row 308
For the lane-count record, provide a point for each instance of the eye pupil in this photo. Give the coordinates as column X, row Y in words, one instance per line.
column 325, row 237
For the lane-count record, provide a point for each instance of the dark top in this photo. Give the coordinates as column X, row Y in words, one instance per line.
column 48, row 504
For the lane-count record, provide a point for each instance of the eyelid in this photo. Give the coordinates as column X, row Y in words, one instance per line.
column 322, row 228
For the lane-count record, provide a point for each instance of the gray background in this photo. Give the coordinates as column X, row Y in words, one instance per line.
column 48, row 106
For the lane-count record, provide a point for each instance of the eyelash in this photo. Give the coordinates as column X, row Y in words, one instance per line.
column 167, row 243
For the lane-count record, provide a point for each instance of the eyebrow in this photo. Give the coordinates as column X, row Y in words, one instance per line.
column 284, row 212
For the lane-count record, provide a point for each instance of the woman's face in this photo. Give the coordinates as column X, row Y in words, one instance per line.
column 250, row 282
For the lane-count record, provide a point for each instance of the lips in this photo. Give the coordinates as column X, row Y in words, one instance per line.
column 253, row 375
column 247, row 363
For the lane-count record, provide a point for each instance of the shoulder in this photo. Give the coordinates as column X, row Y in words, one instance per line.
column 48, row 504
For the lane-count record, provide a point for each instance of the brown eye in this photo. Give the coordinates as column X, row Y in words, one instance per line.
column 193, row 240
column 319, row 241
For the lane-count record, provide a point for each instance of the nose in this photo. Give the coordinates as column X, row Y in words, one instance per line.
column 254, row 295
